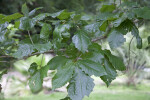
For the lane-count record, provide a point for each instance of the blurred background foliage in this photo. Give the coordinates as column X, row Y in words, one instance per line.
column 137, row 60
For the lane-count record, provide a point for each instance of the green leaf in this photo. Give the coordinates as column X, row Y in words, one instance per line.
column 63, row 75
column 23, row 50
column 111, row 72
column 108, row 8
column 35, row 82
column 36, row 77
column 135, row 32
column 115, row 39
column 44, row 71
column 57, row 62
column 143, row 12
column 57, row 34
column 43, row 47
column 14, row 16
column 80, row 85
column 1, row 16
column 107, row 16
column 3, row 30
column 41, row 16
column 33, row 68
column 116, row 62
column 81, row 41
column 117, row 22
column 148, row 39
column 103, row 26
column 25, row 10
column 26, row 23
column 95, row 56
column 2, row 73
column 31, row 13
column 66, row 98
column 45, row 31
column 63, row 14
column 92, row 68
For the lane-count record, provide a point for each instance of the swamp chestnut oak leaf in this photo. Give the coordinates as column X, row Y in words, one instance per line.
column 81, row 41
column 80, row 85
column 63, row 75
column 73, row 41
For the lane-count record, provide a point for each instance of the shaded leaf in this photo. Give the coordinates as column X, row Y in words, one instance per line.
column 57, row 62
column 25, row 10
column 143, row 12
column 23, row 50
column 111, row 72
column 43, row 47
column 45, row 31
column 108, row 8
column 3, row 30
column 31, row 13
column 148, row 39
column 33, row 68
column 116, row 39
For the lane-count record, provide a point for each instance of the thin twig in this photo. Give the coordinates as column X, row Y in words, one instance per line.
column 6, row 56
column 50, row 51
column 130, row 50
column 120, row 2
column 30, row 38
column 99, row 38
column 4, row 61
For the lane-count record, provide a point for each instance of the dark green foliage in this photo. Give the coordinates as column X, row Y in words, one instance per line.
column 74, row 39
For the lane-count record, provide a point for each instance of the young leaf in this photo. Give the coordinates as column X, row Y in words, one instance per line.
column 14, row 16
column 45, row 31
column 92, row 68
column 80, row 85
column 81, row 41
column 63, row 75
